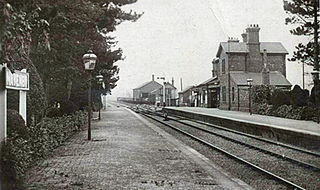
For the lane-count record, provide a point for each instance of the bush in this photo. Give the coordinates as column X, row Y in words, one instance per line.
column 15, row 123
column 261, row 94
column 39, row 140
column 309, row 113
column 299, row 97
column 280, row 97
column 283, row 111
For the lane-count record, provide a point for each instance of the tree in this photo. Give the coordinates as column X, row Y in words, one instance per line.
column 49, row 38
column 75, row 27
column 16, row 27
column 301, row 15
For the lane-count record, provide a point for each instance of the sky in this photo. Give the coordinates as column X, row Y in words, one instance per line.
column 179, row 39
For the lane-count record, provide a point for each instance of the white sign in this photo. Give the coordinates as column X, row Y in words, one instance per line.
column 18, row 80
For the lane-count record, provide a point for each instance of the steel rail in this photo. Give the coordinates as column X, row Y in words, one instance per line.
column 305, row 164
column 252, row 136
column 274, row 176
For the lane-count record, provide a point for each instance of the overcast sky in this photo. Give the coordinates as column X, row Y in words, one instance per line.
column 179, row 38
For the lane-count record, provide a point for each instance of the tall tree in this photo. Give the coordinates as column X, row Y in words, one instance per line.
column 18, row 20
column 75, row 27
column 302, row 17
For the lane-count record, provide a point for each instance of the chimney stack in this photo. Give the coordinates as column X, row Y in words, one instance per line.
column 253, row 34
column 233, row 39
column 265, row 71
column 244, row 37
column 172, row 81
column 152, row 77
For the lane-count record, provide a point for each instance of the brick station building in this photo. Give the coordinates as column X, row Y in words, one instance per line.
column 264, row 62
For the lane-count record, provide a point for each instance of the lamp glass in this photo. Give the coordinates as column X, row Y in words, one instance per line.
column 89, row 60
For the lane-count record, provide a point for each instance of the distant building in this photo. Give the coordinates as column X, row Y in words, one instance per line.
column 143, row 92
column 206, row 93
column 152, row 92
column 186, row 97
column 264, row 62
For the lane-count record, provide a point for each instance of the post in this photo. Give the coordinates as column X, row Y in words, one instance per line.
column 164, row 92
column 250, row 100
column 3, row 105
column 22, row 104
column 89, row 107
column 3, row 114
column 303, row 75
column 316, row 60
column 100, row 108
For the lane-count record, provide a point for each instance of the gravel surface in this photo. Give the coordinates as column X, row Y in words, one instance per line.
column 236, row 169
column 315, row 160
column 288, row 170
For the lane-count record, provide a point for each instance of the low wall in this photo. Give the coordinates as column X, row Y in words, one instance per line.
column 304, row 140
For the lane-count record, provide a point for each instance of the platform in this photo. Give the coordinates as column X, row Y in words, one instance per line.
column 296, row 132
column 128, row 152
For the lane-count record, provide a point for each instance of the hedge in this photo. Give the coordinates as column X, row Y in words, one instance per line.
column 21, row 151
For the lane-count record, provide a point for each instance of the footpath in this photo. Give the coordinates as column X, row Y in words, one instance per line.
column 127, row 152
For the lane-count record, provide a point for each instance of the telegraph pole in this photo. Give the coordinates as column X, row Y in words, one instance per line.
column 315, row 72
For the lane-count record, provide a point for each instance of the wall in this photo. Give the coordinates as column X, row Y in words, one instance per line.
column 277, row 63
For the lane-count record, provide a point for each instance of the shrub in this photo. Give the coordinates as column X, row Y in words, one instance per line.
column 280, row 97
column 283, row 111
column 261, row 94
column 15, row 123
column 296, row 113
column 299, row 97
column 309, row 113
column 39, row 140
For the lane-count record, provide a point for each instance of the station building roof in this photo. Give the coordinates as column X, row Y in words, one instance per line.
column 276, row 78
column 242, row 47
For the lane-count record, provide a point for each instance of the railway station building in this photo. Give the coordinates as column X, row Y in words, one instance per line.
column 263, row 62
column 152, row 92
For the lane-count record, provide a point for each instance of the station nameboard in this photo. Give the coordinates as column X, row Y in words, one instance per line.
column 18, row 80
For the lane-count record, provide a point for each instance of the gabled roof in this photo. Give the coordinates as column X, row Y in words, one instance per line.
column 210, row 80
column 276, row 78
column 186, row 89
column 149, row 86
column 169, row 84
column 241, row 47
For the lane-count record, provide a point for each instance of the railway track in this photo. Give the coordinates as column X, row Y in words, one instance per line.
column 183, row 122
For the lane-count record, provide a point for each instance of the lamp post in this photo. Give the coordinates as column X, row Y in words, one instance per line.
column 100, row 80
column 164, row 89
column 250, row 82
column 89, row 61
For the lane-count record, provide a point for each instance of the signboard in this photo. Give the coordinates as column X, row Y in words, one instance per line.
column 19, row 80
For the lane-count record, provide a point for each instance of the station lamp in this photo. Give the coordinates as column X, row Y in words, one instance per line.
column 250, row 83
column 89, row 61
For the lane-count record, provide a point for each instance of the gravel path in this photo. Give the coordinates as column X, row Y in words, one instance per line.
column 236, row 169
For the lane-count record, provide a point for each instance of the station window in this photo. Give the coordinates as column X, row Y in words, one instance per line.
column 223, row 66
column 233, row 94
column 224, row 95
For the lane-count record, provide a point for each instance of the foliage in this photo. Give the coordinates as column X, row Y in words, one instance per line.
column 72, row 32
column 309, row 113
column 24, row 149
column 299, row 97
column 280, row 97
column 261, row 94
column 301, row 15
column 49, row 38
column 15, row 123
column 15, row 43
column 292, row 105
